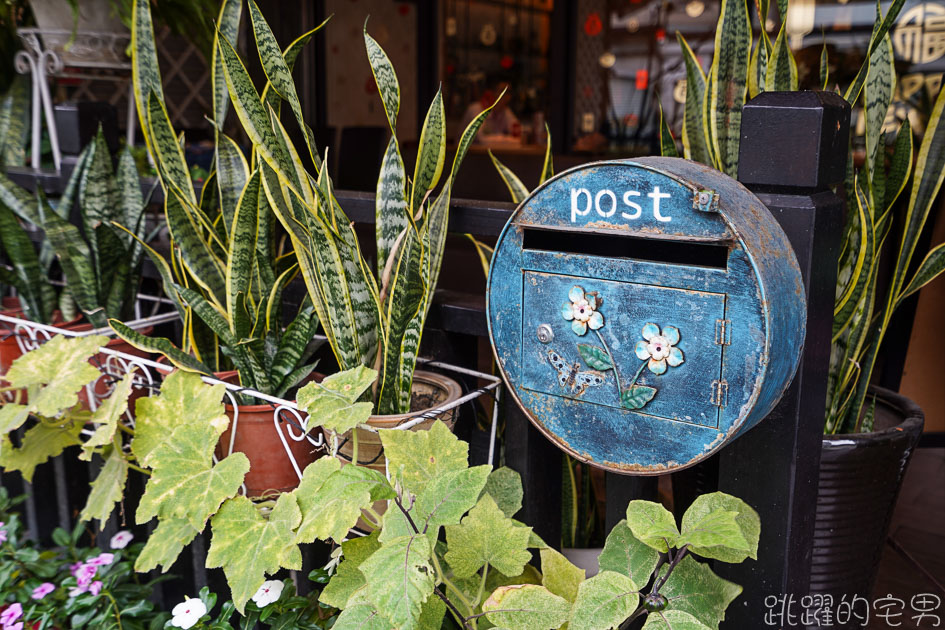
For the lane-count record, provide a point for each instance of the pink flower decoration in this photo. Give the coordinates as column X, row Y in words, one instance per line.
column 11, row 614
column 43, row 590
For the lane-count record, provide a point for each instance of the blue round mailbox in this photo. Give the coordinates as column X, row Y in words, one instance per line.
column 644, row 313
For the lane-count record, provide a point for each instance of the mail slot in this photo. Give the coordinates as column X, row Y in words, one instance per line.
column 645, row 313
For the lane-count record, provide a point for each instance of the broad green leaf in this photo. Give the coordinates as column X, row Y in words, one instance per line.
column 929, row 270
column 526, row 607
column 560, row 576
column 604, row 601
column 595, row 356
column 673, row 620
column 431, row 154
column 667, row 143
column 747, row 520
column 652, row 524
column 107, row 489
column 504, row 485
column 332, row 404
column 165, row 543
column 416, row 458
column 361, row 616
column 40, row 443
column 61, row 366
column 249, row 546
column 694, row 588
column 107, row 416
column 487, row 536
column 781, row 74
column 390, row 204
column 386, row 79
column 331, row 498
column 625, row 554
column 242, row 253
column 400, row 578
column 728, row 83
column 517, row 190
column 637, row 396
column 12, row 416
column 348, row 578
column 715, row 529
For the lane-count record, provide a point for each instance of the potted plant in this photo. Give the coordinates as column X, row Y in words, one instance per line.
column 869, row 432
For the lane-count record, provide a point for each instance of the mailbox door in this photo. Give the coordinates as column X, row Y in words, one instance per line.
column 579, row 334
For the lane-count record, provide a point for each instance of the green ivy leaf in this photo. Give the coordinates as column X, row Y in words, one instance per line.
column 604, row 601
column 418, row 457
column 348, row 579
column 107, row 489
column 652, row 524
column 248, row 546
column 673, row 620
column 694, row 588
column 637, row 396
column 107, row 416
column 184, row 399
column 505, row 486
column 39, row 444
column 62, row 366
column 400, row 578
column 165, row 543
column 560, row 576
column 332, row 404
column 595, row 357
column 526, row 607
column 487, row 536
column 331, row 498
column 626, row 555
column 746, row 519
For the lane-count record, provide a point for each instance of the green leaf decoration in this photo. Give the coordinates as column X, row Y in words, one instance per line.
column 729, row 82
column 626, row 555
column 249, row 546
column 331, row 498
column 165, row 543
column 487, row 536
column 604, row 601
column 694, row 588
column 747, row 520
column 652, row 524
column 673, row 620
column 348, row 578
column 107, row 416
column 526, row 607
column 332, row 404
column 517, row 190
column 184, row 399
column 400, row 578
column 184, row 482
column 637, row 396
column 39, row 444
column 416, row 458
column 667, row 142
column 715, row 529
column 595, row 356
column 504, row 485
column 559, row 576
column 107, row 489
column 443, row 502
column 62, row 366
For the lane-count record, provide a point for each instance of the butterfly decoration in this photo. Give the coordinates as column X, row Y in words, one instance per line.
column 571, row 377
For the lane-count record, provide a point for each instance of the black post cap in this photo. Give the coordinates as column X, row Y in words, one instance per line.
column 794, row 141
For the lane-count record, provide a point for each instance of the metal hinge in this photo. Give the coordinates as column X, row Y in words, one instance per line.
column 723, row 332
column 719, row 392
column 706, row 201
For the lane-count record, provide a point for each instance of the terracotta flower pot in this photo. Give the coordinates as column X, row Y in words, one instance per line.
column 9, row 348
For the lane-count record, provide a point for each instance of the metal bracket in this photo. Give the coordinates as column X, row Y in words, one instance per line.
column 719, row 394
column 723, row 332
column 705, row 201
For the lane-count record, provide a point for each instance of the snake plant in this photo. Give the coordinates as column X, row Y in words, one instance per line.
column 371, row 317
column 226, row 271
column 889, row 178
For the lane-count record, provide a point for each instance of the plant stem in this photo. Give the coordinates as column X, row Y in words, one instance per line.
column 637, row 375
column 482, row 584
column 141, row 470
column 442, row 575
column 613, row 363
column 626, row 624
column 115, row 605
column 372, row 516
column 680, row 554
column 354, row 445
column 453, row 609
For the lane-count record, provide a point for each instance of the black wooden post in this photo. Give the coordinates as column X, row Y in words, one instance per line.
column 793, row 149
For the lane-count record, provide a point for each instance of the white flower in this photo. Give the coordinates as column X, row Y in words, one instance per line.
column 659, row 348
column 121, row 539
column 581, row 310
column 187, row 613
column 269, row 592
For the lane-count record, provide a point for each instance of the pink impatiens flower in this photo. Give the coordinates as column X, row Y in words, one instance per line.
column 101, row 559
column 95, row 587
column 43, row 590
column 11, row 614
column 84, row 575
column 121, row 539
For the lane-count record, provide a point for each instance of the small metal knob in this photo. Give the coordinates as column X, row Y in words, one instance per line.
column 545, row 334
column 703, row 198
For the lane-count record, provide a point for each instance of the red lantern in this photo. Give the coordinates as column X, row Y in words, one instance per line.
column 593, row 25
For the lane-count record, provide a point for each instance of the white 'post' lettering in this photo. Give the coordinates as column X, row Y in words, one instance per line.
column 656, row 195
column 575, row 193
column 637, row 210
column 613, row 203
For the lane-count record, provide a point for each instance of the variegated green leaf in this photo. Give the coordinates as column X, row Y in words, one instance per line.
column 242, row 254
column 729, row 82
column 824, row 67
column 781, row 74
column 107, row 489
column 77, row 266
column 292, row 347
column 517, row 190
column 758, row 66
column 855, row 269
column 931, row 267
column 131, row 202
column 159, row 345
column 228, row 24
column 145, row 71
column 667, row 143
column 547, row 168
column 390, row 203
column 27, row 276
column 206, row 269
column 385, row 77
column 165, row 543
column 231, row 175
column 168, row 154
column 693, row 132
column 878, row 92
column 290, row 54
column 15, row 122
column 880, row 29
column 431, row 153
column 901, row 165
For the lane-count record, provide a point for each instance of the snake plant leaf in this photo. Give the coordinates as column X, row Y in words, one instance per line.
column 27, row 275
column 348, row 578
column 20, row 202
column 390, row 203
column 878, row 92
column 517, row 190
column 203, row 265
column 107, row 415
column 333, row 403
column 399, row 579
column 290, row 54
column 431, row 154
column 604, row 601
column 729, row 82
column 930, row 268
column 242, row 254
column 487, row 536
column 107, row 489
column 781, row 73
column 145, row 71
column 758, row 65
column 165, row 544
column 559, row 576
column 673, row 620
column 228, row 25
column 98, row 200
column 880, row 30
column 14, row 125
column 667, row 142
column 160, row 345
column 504, row 485
column 77, row 266
column 526, row 607
column 249, row 546
column 168, row 154
column 824, row 67
column 232, row 173
column 856, row 269
column 714, row 539
column 128, row 191
column 416, row 458
column 40, row 443
column 293, row 350
column 61, row 367
column 693, row 134
column 900, row 166
column 293, row 160
column 652, row 524
column 695, row 589
column 274, row 300
column 385, row 77
column 547, row 167
column 625, row 554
